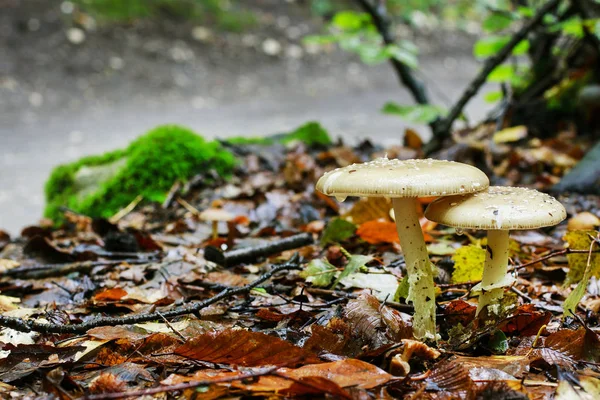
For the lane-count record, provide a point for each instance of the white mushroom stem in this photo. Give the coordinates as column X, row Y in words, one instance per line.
column 421, row 290
column 495, row 268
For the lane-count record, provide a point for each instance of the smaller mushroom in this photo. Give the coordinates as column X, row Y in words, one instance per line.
column 215, row 215
column 399, row 365
column 498, row 210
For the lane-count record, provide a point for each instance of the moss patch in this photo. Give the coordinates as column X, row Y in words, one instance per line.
column 311, row 134
column 148, row 167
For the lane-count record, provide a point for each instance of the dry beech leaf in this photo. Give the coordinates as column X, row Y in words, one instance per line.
column 369, row 209
column 374, row 323
column 322, row 378
column 241, row 347
column 450, row 376
column 566, row 347
column 333, row 338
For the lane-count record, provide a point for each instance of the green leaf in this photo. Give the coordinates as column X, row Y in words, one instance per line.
column 492, row 97
column 402, row 291
column 521, row 48
column 319, row 272
column 354, row 263
column 571, row 27
column 337, row 230
column 372, row 54
column 421, row 114
column 489, row 46
column 403, row 55
column 496, row 22
column 526, row 12
column 498, row 343
column 502, row 73
column 350, row 21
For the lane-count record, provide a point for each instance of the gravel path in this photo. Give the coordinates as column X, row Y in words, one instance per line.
column 60, row 101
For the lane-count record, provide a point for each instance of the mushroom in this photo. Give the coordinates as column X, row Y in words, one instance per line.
column 498, row 210
column 215, row 215
column 404, row 181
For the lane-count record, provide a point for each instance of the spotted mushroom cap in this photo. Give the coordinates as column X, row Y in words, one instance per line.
column 403, row 178
column 498, row 207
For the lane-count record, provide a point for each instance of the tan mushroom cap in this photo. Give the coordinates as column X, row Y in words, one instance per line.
column 216, row 214
column 499, row 207
column 403, row 178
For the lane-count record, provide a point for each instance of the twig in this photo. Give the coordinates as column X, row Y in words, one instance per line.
column 250, row 254
column 527, row 264
column 23, row 325
column 53, row 270
column 445, row 124
column 180, row 386
column 382, row 22
column 123, row 212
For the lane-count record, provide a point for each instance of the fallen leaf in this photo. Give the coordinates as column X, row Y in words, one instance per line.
column 378, row 231
column 376, row 324
column 369, row 209
column 114, row 294
column 337, row 230
column 468, row 264
column 241, row 347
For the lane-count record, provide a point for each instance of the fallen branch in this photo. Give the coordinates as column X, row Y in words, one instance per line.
column 23, row 325
column 53, row 270
column 442, row 129
column 250, row 254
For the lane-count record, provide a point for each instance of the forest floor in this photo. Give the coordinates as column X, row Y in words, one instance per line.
column 60, row 100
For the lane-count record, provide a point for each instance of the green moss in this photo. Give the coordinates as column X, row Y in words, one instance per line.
column 311, row 133
column 152, row 163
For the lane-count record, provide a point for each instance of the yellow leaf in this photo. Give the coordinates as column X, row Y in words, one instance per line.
column 369, row 209
column 468, row 264
column 581, row 240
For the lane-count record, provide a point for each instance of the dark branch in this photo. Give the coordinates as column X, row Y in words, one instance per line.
column 250, row 254
column 382, row 23
column 491, row 63
column 23, row 325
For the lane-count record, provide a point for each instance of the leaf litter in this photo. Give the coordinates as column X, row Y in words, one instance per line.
column 134, row 307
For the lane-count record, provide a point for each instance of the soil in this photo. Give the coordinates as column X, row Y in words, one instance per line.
column 60, row 100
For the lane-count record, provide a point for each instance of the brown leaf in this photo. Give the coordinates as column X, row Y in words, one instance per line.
column 378, row 231
column 374, row 323
column 333, row 338
column 514, row 365
column 107, row 383
column 315, row 385
column 241, row 347
column 565, row 347
column 526, row 321
column 450, row 376
column 459, row 312
column 412, row 139
column 113, row 294
column 369, row 209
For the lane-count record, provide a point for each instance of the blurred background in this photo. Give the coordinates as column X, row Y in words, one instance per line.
column 82, row 77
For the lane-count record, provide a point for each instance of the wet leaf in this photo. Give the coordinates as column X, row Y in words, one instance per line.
column 245, row 348
column 114, row 294
column 498, row 343
column 375, row 323
column 526, row 321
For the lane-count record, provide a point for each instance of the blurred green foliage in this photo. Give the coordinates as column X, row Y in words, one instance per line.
column 311, row 134
column 150, row 166
column 494, row 20
column 224, row 14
